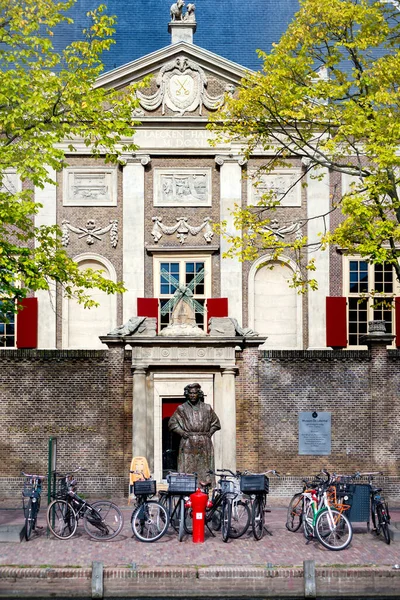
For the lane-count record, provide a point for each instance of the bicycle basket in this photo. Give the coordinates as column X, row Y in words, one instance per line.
column 230, row 486
column 182, row 484
column 254, row 484
column 62, row 488
column 146, row 487
column 28, row 488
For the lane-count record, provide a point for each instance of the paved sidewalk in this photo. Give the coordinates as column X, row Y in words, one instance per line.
column 281, row 549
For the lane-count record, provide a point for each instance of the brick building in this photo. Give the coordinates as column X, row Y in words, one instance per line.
column 149, row 223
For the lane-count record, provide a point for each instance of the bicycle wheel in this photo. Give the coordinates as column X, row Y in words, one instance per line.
column 226, row 520
column 383, row 522
column 29, row 519
column 295, row 513
column 61, row 519
column 334, row 530
column 216, row 519
column 307, row 520
column 181, row 530
column 374, row 517
column 188, row 521
column 257, row 517
column 103, row 520
column 240, row 519
column 149, row 521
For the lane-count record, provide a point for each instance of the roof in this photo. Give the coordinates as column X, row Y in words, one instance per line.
column 233, row 29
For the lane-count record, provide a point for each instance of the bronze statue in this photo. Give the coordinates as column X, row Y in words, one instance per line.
column 196, row 422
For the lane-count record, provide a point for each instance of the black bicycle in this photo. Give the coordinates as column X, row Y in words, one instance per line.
column 380, row 515
column 102, row 520
column 150, row 519
column 31, row 501
column 256, row 485
column 228, row 510
column 180, row 486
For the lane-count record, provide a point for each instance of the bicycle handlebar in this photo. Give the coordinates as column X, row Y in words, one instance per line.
column 69, row 472
column 34, row 476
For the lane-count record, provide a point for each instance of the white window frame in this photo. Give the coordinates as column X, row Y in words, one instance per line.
column 371, row 283
column 182, row 258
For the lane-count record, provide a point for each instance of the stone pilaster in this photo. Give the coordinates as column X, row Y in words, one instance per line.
column 139, row 413
column 47, row 215
column 231, row 268
column 228, row 424
column 133, row 241
column 318, row 204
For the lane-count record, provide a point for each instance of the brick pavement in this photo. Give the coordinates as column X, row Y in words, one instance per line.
column 281, row 549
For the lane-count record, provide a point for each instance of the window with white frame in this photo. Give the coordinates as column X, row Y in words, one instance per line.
column 174, row 270
column 7, row 332
column 370, row 291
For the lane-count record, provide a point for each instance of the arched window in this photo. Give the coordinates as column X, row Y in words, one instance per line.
column 82, row 326
column 274, row 307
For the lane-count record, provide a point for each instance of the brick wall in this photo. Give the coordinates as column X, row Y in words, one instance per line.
column 85, row 399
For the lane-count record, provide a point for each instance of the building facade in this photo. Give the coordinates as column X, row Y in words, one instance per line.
column 150, row 224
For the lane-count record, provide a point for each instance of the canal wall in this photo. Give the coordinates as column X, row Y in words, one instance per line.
column 199, row 582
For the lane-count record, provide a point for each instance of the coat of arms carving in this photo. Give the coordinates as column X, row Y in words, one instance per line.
column 182, row 87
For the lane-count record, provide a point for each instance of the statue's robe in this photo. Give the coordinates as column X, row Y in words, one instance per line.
column 198, row 424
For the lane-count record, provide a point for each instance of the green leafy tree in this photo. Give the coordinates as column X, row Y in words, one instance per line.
column 48, row 98
column 329, row 95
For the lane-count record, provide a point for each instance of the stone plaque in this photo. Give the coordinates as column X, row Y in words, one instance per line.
column 283, row 182
column 315, row 433
column 182, row 187
column 90, row 187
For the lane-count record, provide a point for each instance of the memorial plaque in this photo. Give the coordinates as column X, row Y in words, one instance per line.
column 315, row 433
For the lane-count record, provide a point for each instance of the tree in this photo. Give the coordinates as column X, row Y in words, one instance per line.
column 49, row 97
column 329, row 95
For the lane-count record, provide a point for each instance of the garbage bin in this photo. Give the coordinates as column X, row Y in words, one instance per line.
column 360, row 504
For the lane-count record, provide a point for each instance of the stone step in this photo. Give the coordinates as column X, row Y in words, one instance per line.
column 394, row 531
column 12, row 533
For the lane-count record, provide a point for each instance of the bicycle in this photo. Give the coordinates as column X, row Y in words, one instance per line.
column 32, row 491
column 228, row 490
column 329, row 525
column 149, row 520
column 102, row 520
column 380, row 515
column 180, row 486
column 294, row 517
column 256, row 485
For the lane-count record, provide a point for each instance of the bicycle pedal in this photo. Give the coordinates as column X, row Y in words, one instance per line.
column 39, row 527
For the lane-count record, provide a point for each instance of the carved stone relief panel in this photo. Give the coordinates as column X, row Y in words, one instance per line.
column 90, row 187
column 182, row 187
column 283, row 182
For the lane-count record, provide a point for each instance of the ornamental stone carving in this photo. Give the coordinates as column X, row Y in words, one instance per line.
column 182, row 229
column 183, row 187
column 182, row 87
column 280, row 231
column 91, row 232
column 89, row 187
column 284, row 184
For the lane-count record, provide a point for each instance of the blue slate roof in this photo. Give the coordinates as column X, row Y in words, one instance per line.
column 233, row 29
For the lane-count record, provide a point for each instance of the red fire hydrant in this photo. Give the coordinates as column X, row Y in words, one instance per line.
column 198, row 503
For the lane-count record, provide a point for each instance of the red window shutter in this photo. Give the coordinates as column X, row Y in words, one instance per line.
column 147, row 307
column 27, row 323
column 217, row 307
column 336, row 322
column 397, row 319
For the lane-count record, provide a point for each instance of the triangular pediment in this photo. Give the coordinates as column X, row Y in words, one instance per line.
column 186, row 80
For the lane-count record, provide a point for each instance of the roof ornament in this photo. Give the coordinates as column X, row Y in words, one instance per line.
column 176, row 11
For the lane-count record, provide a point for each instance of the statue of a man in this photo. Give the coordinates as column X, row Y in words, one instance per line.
column 196, row 422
